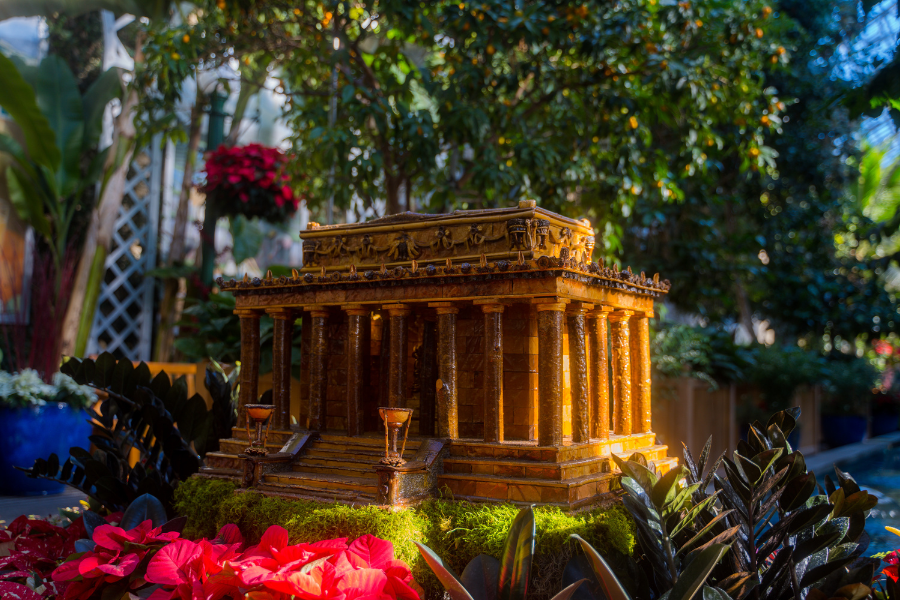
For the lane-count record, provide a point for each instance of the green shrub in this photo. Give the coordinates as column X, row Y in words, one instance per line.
column 849, row 384
column 457, row 531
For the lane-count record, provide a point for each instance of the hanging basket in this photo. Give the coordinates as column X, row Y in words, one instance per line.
column 250, row 181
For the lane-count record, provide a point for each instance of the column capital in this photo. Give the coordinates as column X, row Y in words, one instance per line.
column 489, row 305
column 600, row 312
column 397, row 310
column 281, row 312
column 248, row 312
column 551, row 306
column 356, row 310
column 317, row 311
column 620, row 315
column 644, row 314
column 579, row 308
column 444, row 308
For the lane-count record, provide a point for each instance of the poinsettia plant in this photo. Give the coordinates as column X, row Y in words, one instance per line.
column 31, row 549
column 155, row 563
column 250, row 181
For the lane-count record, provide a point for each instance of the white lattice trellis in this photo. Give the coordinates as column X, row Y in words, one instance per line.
column 123, row 323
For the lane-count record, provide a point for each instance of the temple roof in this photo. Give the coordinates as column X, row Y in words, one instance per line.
column 511, row 242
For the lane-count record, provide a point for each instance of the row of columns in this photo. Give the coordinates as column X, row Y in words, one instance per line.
column 627, row 359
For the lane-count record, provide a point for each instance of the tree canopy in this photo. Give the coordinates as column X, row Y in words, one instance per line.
column 585, row 106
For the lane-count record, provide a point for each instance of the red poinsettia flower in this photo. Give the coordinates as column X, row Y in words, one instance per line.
column 250, row 181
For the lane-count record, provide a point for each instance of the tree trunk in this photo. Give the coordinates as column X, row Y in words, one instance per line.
column 92, row 264
column 169, row 313
column 392, row 195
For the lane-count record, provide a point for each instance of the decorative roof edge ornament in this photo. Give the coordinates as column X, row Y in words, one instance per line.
column 525, row 241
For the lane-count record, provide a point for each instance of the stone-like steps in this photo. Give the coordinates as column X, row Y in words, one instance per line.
column 320, row 482
column 237, row 446
column 543, row 470
column 572, row 492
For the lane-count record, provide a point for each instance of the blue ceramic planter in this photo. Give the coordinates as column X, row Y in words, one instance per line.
column 30, row 433
column 843, row 430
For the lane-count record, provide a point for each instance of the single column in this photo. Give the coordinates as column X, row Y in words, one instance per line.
column 427, row 377
column 249, row 361
column 578, row 373
column 282, row 345
column 639, row 334
column 550, row 373
column 621, row 371
column 357, row 353
column 317, row 373
column 447, row 407
column 599, row 372
column 493, row 371
column 399, row 315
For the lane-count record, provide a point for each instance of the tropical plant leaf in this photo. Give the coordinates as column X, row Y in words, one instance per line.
column 518, row 553
column 444, row 573
column 481, row 577
column 144, row 508
column 612, row 588
column 18, row 99
column 60, row 101
column 694, row 576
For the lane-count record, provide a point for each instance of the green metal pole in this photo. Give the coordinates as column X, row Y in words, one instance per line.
column 215, row 135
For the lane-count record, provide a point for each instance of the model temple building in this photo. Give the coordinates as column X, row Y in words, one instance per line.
column 525, row 362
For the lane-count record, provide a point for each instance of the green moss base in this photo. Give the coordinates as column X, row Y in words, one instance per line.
column 457, row 531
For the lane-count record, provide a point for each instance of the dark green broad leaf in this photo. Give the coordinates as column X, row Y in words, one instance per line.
column 612, row 588
column 822, row 571
column 666, row 488
column 518, row 554
column 190, row 420
column 177, row 524
column 444, row 573
column 481, row 577
column 120, row 373
column 828, row 534
column 176, row 398
column 809, row 517
column 84, row 545
column 143, row 508
column 798, row 491
column 91, row 521
column 695, row 575
column 71, row 367
column 579, row 569
column 641, row 474
column 160, row 385
column 142, row 375
column 53, row 465
column 786, row 420
column 105, row 364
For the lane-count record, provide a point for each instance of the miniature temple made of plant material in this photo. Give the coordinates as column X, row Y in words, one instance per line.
column 526, row 363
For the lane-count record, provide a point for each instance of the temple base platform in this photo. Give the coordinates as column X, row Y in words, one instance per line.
column 332, row 466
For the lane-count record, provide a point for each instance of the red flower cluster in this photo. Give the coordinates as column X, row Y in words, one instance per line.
column 30, row 549
column 272, row 570
column 167, row 567
column 250, row 181
column 893, row 569
column 115, row 557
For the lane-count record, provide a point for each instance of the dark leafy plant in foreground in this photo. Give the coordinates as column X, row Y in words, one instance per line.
column 138, row 414
column 785, row 541
column 790, row 540
column 486, row 578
